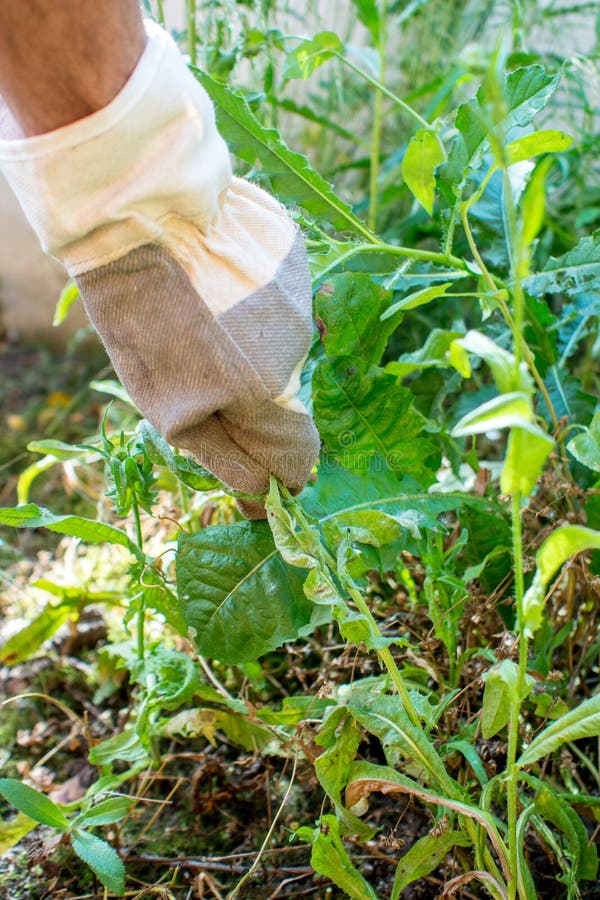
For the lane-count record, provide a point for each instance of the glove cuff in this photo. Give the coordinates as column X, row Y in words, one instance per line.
column 102, row 186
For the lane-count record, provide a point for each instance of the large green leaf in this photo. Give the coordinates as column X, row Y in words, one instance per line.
column 34, row 804
column 102, row 859
column 338, row 491
column 292, row 178
column 575, row 272
column 361, row 411
column 581, row 722
column 349, row 307
column 238, row 595
column 32, row 516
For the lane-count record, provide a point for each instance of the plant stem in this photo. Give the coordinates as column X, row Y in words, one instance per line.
column 377, row 122
column 191, row 29
column 515, row 711
column 140, row 640
column 160, row 11
column 385, row 92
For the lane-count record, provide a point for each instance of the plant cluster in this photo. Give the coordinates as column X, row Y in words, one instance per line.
column 451, row 532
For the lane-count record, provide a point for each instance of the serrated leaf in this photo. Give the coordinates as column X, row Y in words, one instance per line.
column 292, row 178
column 350, row 306
column 309, row 55
column 33, row 804
column 32, row 516
column 575, row 272
column 549, row 141
column 238, row 594
column 361, row 411
column 423, row 857
column 425, row 152
column 581, row 722
column 102, row 859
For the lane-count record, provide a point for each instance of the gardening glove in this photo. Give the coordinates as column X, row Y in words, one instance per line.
column 196, row 281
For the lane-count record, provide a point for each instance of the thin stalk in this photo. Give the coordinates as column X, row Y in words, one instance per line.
column 512, row 769
column 385, row 91
column 190, row 10
column 519, row 341
column 377, row 122
column 140, row 639
column 160, row 11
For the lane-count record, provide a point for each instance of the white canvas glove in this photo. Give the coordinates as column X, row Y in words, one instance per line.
column 196, row 281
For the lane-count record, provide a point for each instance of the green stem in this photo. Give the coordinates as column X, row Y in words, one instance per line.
column 377, row 123
column 160, row 11
column 140, row 640
column 191, row 29
column 512, row 769
column 384, row 91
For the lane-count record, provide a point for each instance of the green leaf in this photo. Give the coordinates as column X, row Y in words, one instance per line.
column 377, row 528
column 581, row 722
column 563, row 543
column 423, row 857
column 538, row 142
column 341, row 736
column 124, row 746
column 102, row 859
column 68, row 296
column 349, row 306
column 13, row 831
column 106, row 812
column 61, row 450
column 533, row 209
column 501, row 692
column 500, row 361
column 585, row 447
column 420, row 298
column 575, row 272
column 361, row 412
column 423, row 155
column 298, row 546
column 309, row 55
column 556, row 549
column 368, row 14
column 329, row 858
column 292, row 178
column 526, row 92
column 237, row 593
column 238, row 728
column 184, row 468
column 435, row 353
column 527, row 451
column 383, row 716
column 33, row 804
column 25, row 643
column 32, row 516
column 505, row 411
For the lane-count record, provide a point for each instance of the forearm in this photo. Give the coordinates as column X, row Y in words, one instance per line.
column 62, row 61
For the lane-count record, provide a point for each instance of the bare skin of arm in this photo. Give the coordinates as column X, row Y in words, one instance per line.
column 62, row 61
